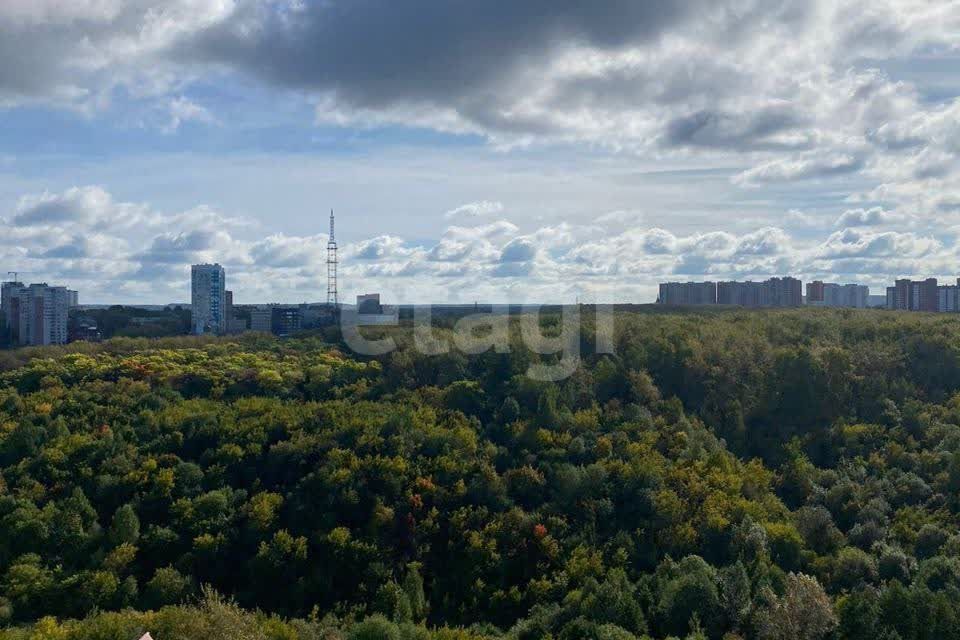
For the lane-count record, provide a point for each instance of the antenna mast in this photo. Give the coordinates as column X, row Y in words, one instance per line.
column 332, row 266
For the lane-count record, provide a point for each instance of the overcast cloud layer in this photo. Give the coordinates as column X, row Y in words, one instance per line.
column 841, row 118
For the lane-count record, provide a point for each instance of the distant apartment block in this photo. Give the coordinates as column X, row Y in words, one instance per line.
column 36, row 314
column 261, row 319
column 9, row 309
column 828, row 294
column 208, row 299
column 686, row 293
column 369, row 303
column 84, row 328
column 948, row 298
column 775, row 292
column 914, row 295
column 815, row 292
column 237, row 325
column 227, row 309
column 286, row 321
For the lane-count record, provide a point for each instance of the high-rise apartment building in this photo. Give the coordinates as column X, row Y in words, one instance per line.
column 10, row 309
column 785, row 292
column 926, row 294
column 775, row 292
column 815, row 292
column 208, row 298
column 682, row 293
column 36, row 314
column 948, row 298
column 913, row 295
column 828, row 294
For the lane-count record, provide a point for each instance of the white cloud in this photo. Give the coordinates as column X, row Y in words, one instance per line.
column 817, row 165
column 875, row 216
column 768, row 241
column 805, row 103
column 74, row 53
column 519, row 250
column 279, row 250
column 182, row 110
column 475, row 209
column 892, row 244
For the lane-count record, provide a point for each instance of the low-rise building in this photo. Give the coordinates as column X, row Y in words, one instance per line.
column 286, row 321
column 261, row 319
column 369, row 303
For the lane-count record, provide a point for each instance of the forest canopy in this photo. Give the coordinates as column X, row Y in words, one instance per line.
column 726, row 474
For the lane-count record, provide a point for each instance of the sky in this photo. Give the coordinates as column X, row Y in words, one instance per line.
column 500, row 151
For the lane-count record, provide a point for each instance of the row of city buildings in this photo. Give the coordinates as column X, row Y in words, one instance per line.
column 907, row 295
column 36, row 314
column 39, row 314
column 924, row 295
column 213, row 310
column 774, row 292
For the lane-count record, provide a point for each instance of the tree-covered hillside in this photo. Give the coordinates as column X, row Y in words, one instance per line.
column 772, row 475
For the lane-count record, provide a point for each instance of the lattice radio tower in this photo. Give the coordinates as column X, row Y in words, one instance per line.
column 332, row 266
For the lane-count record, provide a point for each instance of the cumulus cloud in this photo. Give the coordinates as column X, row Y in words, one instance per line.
column 75, row 53
column 475, row 209
column 519, row 250
column 496, row 259
column 855, row 243
column 875, row 216
column 77, row 205
column 280, row 250
column 658, row 241
column 789, row 97
column 378, row 248
column 787, row 91
column 768, row 241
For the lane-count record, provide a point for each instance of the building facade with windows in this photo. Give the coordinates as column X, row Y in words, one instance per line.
column 261, row 319
column 687, row 293
column 775, row 292
column 828, row 294
column 37, row 314
column 914, row 295
column 208, row 299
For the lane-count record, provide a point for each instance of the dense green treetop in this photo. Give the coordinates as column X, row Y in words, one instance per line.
column 723, row 474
